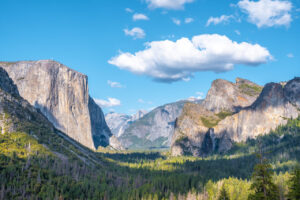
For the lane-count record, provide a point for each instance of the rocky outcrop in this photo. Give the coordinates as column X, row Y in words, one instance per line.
column 154, row 130
column 61, row 94
column 118, row 123
column 231, row 97
column 15, row 113
column 200, row 132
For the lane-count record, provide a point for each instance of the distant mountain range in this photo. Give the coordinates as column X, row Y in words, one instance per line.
column 118, row 123
column 231, row 112
column 152, row 130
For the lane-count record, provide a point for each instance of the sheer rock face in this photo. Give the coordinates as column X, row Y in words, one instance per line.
column 274, row 105
column 227, row 96
column 62, row 96
column 15, row 112
column 98, row 125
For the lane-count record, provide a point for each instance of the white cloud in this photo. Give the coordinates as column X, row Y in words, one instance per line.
column 290, row 55
column 139, row 16
column 135, row 33
column 267, row 13
column 168, row 4
column 176, row 21
column 218, row 20
column 188, row 20
column 200, row 95
column 170, row 61
column 115, row 84
column 111, row 102
column 128, row 10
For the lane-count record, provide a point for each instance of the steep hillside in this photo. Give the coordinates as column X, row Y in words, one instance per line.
column 201, row 132
column 37, row 161
column 19, row 119
column 61, row 94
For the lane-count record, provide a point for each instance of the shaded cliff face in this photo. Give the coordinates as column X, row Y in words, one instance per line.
column 199, row 134
column 100, row 130
column 62, row 96
column 154, row 130
column 192, row 121
column 227, row 96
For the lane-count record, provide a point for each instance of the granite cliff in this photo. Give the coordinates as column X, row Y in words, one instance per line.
column 61, row 94
column 154, row 130
column 231, row 97
column 243, row 112
column 118, row 123
column 27, row 132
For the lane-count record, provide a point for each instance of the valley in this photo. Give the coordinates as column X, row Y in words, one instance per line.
column 182, row 150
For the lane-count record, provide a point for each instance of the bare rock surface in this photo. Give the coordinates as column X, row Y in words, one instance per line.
column 203, row 129
column 154, row 130
column 61, row 94
column 227, row 96
column 118, row 122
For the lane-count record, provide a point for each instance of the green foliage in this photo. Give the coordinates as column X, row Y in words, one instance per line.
column 210, row 122
column 21, row 144
column 262, row 183
column 250, row 90
column 294, row 184
column 54, row 168
column 222, row 115
column 223, row 194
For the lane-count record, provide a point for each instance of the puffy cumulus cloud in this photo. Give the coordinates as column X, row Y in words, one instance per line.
column 168, row 4
column 136, row 33
column 218, row 20
column 170, row 61
column 139, row 16
column 267, row 13
column 290, row 55
column 110, row 102
column 115, row 84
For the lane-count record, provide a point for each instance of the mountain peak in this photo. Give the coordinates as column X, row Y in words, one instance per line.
column 227, row 96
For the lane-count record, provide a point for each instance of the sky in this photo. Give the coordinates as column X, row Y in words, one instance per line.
column 140, row 54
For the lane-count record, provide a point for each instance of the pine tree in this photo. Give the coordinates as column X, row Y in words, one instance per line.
column 294, row 188
column 223, row 194
column 262, row 183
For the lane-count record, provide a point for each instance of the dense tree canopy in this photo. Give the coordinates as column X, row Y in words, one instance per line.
column 28, row 169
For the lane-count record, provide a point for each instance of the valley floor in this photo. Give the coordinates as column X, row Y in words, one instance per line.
column 40, row 174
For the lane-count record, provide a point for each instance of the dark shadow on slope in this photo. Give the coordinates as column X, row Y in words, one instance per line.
column 134, row 157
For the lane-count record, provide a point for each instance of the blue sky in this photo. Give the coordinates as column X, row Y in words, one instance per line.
column 183, row 45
